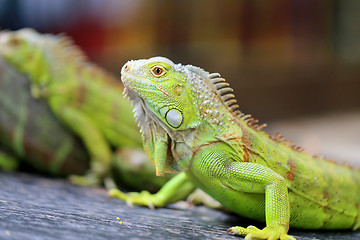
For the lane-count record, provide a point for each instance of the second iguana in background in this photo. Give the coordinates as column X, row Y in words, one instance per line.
column 83, row 96
column 190, row 121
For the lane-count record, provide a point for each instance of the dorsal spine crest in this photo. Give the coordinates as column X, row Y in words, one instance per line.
column 224, row 90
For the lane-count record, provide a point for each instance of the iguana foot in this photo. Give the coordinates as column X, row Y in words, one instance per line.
column 143, row 198
column 269, row 233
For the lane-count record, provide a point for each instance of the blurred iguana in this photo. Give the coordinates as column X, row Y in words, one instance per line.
column 29, row 130
column 32, row 138
column 190, row 121
column 81, row 95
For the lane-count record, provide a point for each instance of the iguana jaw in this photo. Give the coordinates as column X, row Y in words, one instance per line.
column 137, row 102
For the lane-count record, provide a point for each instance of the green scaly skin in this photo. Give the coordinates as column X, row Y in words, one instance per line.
column 189, row 122
column 81, row 95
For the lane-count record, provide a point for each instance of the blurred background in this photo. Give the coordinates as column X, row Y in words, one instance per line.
column 283, row 58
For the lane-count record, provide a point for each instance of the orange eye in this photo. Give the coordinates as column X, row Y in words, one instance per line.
column 158, row 71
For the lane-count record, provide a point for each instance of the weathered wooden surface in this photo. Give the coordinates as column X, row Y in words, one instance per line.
column 33, row 207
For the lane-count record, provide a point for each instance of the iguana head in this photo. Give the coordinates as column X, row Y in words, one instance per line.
column 181, row 99
column 22, row 48
column 164, row 91
column 44, row 56
column 181, row 96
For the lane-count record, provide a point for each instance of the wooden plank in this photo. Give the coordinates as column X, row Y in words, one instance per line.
column 34, row 207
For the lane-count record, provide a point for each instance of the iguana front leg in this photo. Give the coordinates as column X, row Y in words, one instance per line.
column 255, row 178
column 246, row 177
column 92, row 138
column 176, row 189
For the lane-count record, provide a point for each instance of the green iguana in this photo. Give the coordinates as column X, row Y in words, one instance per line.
column 81, row 95
column 190, row 121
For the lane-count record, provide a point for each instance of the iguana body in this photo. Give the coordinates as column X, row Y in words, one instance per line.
column 29, row 131
column 189, row 122
column 81, row 95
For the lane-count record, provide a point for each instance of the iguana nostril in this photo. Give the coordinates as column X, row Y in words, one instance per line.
column 126, row 67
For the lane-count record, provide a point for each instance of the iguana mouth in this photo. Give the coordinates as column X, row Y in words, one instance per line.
column 128, row 90
column 140, row 107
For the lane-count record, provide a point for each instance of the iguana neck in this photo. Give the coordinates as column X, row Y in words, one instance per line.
column 214, row 100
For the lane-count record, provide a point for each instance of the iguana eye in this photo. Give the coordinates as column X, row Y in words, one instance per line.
column 158, row 71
